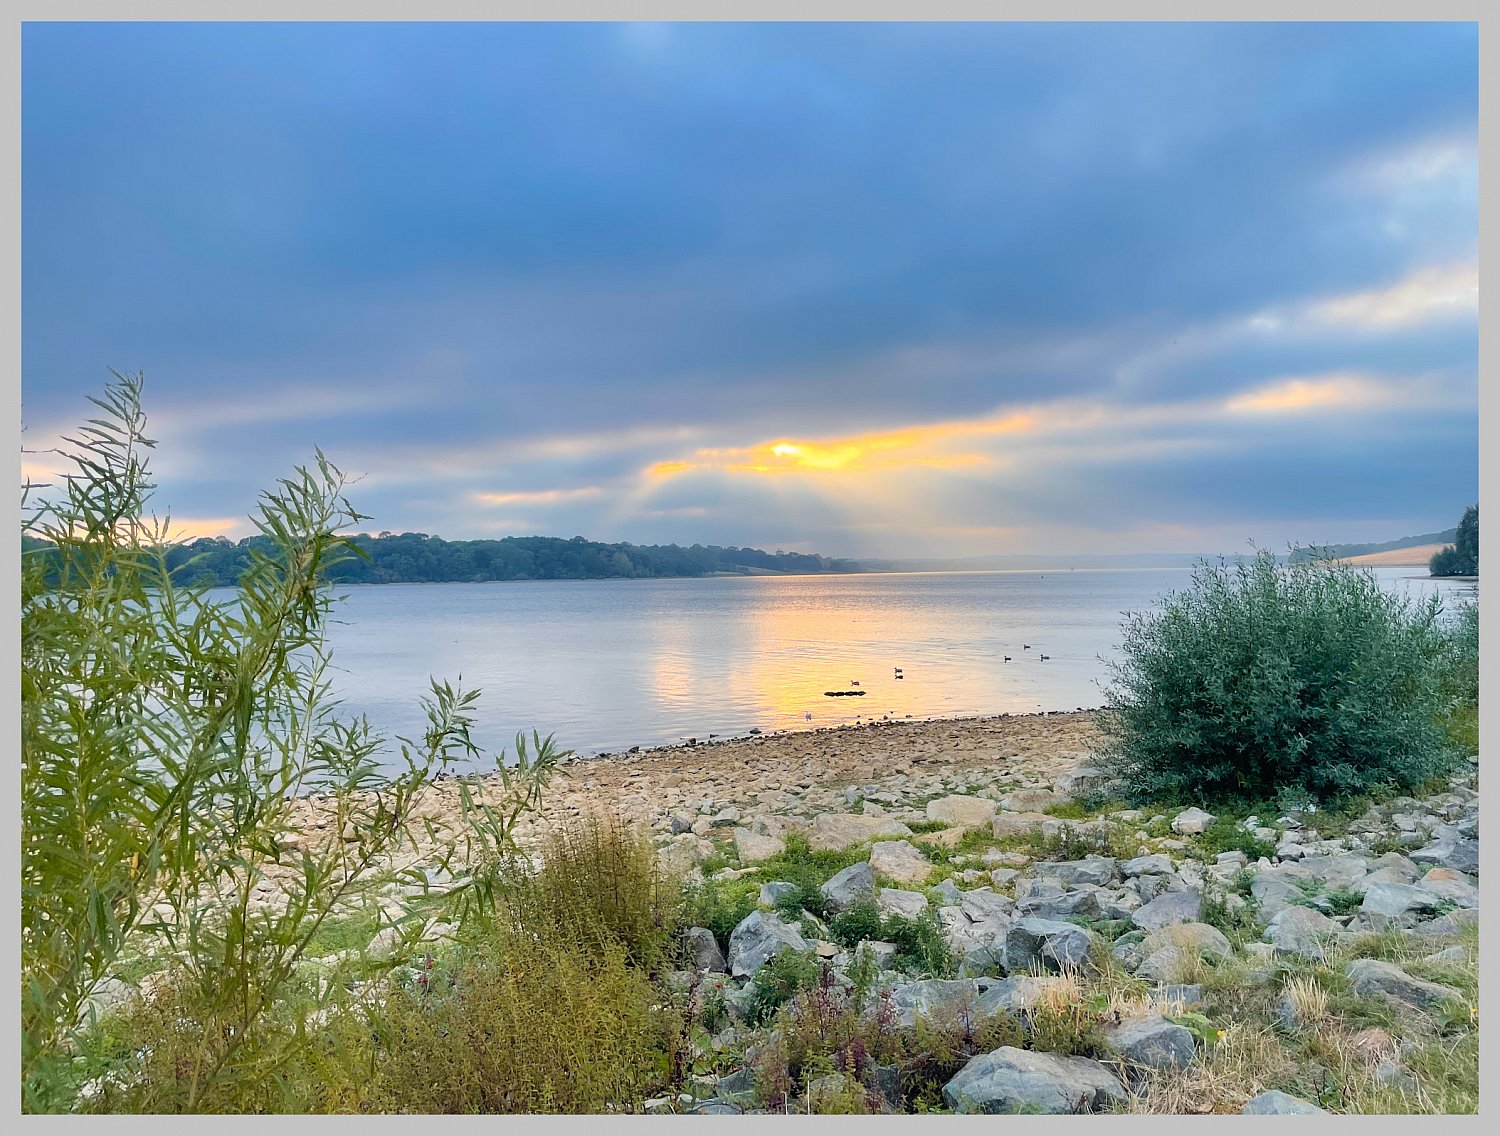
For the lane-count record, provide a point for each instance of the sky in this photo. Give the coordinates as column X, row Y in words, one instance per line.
column 860, row 289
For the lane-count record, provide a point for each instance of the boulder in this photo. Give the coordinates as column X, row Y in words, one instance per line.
column 833, row 832
column 759, row 936
column 1084, row 779
column 1196, row 938
column 1157, row 864
column 1302, row 932
column 1029, row 800
column 907, row 904
column 1459, row 853
column 1094, row 870
column 1151, row 1041
column 1373, row 978
column 1450, row 886
column 1273, row 1102
column 703, row 951
column 1190, row 822
column 899, row 860
column 1085, row 904
column 1017, row 824
column 1278, row 887
column 915, row 1000
column 854, row 883
column 1015, row 994
column 1053, row 945
column 1164, row 965
column 1169, row 907
column 1337, row 870
column 878, row 952
column 1012, row 1080
column 1396, row 901
column 961, row 810
column 753, row 847
column 983, row 906
column 774, row 891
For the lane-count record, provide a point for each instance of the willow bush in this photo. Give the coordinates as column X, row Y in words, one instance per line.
column 1264, row 678
column 165, row 734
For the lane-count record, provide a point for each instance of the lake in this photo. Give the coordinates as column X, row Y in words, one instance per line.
column 609, row 664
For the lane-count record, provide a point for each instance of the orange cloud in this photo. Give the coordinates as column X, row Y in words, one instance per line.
column 1295, row 395
column 929, row 446
column 537, row 497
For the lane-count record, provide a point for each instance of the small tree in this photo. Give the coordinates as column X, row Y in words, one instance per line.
column 1461, row 558
column 1263, row 677
column 164, row 737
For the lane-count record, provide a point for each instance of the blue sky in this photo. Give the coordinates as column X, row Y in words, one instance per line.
column 862, row 289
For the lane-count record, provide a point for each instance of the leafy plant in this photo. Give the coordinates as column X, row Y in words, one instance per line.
column 1263, row 676
column 165, row 737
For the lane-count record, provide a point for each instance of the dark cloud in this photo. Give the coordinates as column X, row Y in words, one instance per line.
column 438, row 245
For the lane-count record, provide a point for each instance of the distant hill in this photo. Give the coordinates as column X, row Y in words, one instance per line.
column 1028, row 562
column 1350, row 551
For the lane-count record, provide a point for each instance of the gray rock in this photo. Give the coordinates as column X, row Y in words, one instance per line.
column 907, row 904
column 836, row 831
column 854, row 883
column 1017, row 824
column 753, row 847
column 983, row 906
column 1169, row 907
column 1402, row 869
column 1278, row 888
column 1011, row 1080
column 1273, row 1102
column 1187, row 993
column 922, row 999
column 775, row 891
column 1459, row 853
column 1373, row 978
column 1157, row 864
column 1029, row 801
column 1084, row 904
column 900, row 860
column 1151, row 1041
column 759, row 936
column 1193, row 938
column 1096, row 870
column 1014, row 994
column 1447, row 954
column 1052, row 945
column 703, row 950
column 1450, row 886
column 948, row 892
column 1302, row 932
column 1190, row 822
column 970, row 811
column 1335, row 871
column 878, row 952
column 1396, row 901
column 740, row 1083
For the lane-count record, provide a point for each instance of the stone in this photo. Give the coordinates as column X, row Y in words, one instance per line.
column 703, row 950
column 1169, row 907
column 854, row 883
column 900, row 860
column 1450, row 886
column 1094, row 870
column 1084, row 779
column 961, row 810
column 1029, row 801
column 759, row 936
column 1084, row 904
column 1447, row 954
column 1156, row 864
column 1012, row 1080
column 1302, row 932
column 948, row 892
column 1458, row 853
column 1373, row 978
column 983, row 906
column 1015, row 994
column 907, row 904
column 833, row 832
column 1396, row 901
column 1336, row 871
column 1164, row 965
column 1274, row 1102
column 753, row 847
column 774, row 891
column 1151, row 1041
column 878, row 952
column 1195, row 938
column 1190, row 822
column 1279, row 888
column 1184, row 994
column 1017, row 824
column 915, row 1000
column 1053, row 945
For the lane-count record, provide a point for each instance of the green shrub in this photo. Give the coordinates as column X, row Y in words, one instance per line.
column 920, row 945
column 784, row 975
column 720, row 905
column 1226, row 835
column 1263, row 676
column 859, row 921
column 531, row 1025
column 165, row 735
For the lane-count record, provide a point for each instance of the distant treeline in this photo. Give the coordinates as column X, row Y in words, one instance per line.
column 419, row 558
column 1343, row 550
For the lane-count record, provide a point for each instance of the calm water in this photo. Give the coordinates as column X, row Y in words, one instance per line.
column 608, row 664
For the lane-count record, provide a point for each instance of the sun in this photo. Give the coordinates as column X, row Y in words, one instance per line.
column 786, row 449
